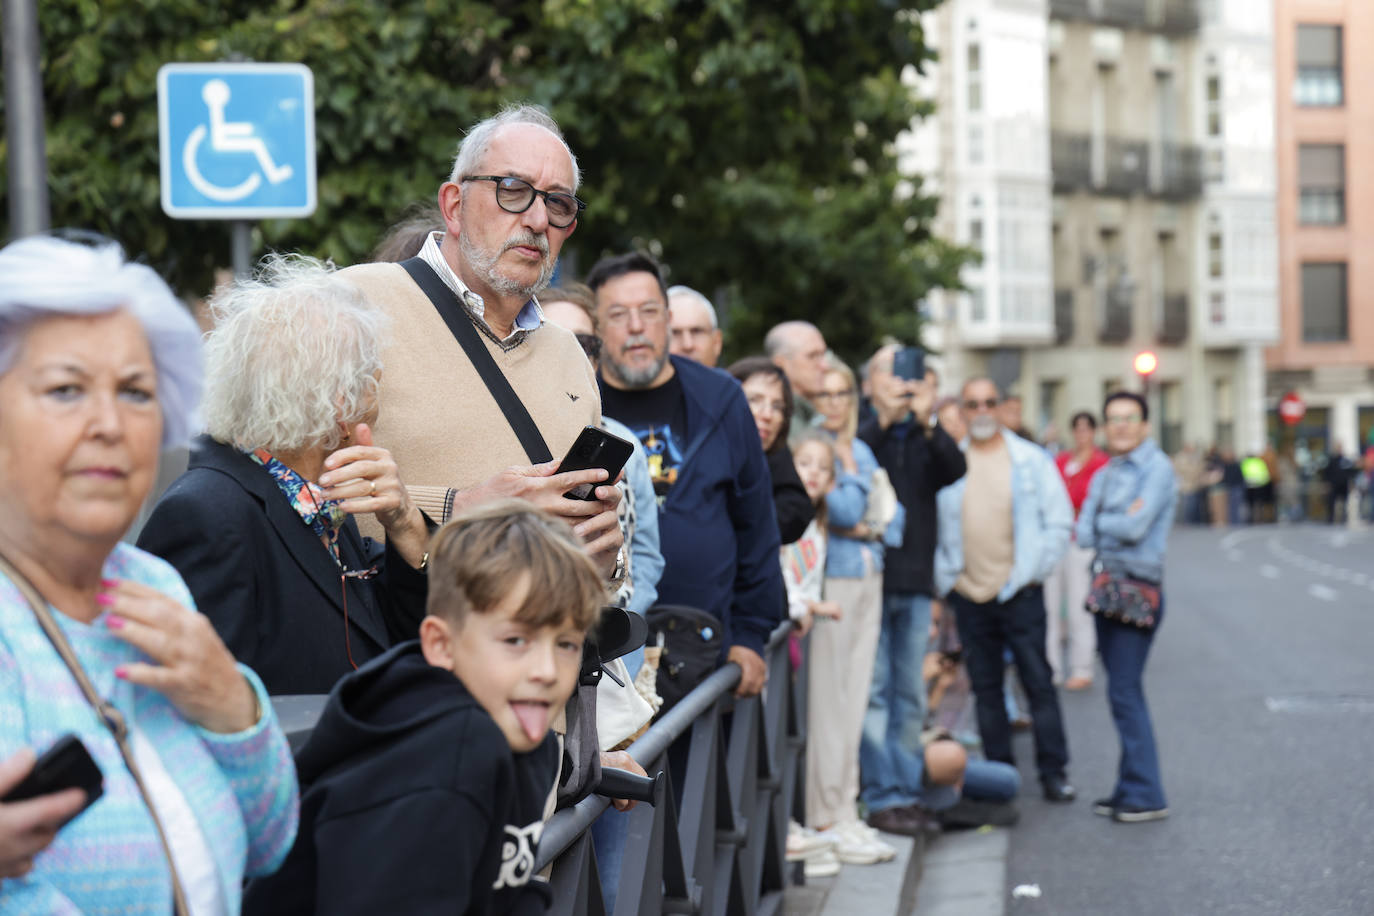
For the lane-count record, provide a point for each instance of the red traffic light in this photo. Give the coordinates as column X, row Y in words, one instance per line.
column 1146, row 362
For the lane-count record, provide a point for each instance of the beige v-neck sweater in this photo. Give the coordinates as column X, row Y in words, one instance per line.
column 437, row 418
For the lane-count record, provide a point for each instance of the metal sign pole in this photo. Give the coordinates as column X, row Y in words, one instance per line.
column 28, row 158
column 241, row 234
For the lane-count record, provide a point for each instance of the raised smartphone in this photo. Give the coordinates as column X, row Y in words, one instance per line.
column 909, row 363
column 595, row 448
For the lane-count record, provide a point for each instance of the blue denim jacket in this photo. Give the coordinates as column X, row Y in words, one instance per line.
column 845, row 506
column 1135, row 540
column 1042, row 517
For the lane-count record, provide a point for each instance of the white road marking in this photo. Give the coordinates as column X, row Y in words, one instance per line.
column 1324, row 592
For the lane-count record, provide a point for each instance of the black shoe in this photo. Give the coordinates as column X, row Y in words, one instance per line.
column 1105, row 807
column 969, row 814
column 1057, row 789
column 1131, row 814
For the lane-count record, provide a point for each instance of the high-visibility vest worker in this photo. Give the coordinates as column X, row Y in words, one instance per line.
column 1255, row 471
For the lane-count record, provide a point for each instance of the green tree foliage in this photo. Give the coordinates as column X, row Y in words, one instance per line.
column 748, row 145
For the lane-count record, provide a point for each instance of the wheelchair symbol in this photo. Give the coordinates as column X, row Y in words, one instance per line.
column 228, row 137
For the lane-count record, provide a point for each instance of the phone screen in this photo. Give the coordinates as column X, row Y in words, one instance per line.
column 909, row 363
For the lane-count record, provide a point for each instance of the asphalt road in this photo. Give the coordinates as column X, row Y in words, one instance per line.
column 1261, row 684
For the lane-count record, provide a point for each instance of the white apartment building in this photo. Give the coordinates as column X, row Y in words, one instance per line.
column 1114, row 162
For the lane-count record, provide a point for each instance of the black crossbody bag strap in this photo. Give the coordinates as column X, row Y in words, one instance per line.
column 455, row 315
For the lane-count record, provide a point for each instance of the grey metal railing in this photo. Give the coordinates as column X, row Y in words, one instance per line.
column 1071, row 161
column 1173, row 17
column 726, row 852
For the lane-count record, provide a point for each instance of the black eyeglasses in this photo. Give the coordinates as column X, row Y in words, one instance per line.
column 515, row 195
column 591, row 345
column 990, row 404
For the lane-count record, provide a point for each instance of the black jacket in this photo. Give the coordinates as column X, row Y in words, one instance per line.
column 789, row 496
column 920, row 461
column 412, row 802
column 266, row 582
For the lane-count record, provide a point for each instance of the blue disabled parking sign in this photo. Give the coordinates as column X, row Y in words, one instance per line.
column 237, row 141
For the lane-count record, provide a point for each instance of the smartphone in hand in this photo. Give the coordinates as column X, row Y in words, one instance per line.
column 65, row 765
column 595, row 448
column 909, row 364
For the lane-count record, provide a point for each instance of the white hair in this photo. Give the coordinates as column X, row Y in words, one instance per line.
column 472, row 149
column 44, row 277
column 688, row 293
column 781, row 340
column 294, row 351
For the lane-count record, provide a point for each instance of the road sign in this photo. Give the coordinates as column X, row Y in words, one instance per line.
column 237, row 141
column 1292, row 409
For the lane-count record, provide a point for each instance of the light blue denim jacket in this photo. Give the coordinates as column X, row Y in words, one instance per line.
column 1042, row 517
column 646, row 561
column 845, row 506
column 1134, row 540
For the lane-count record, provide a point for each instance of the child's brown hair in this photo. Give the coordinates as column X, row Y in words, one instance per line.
column 479, row 556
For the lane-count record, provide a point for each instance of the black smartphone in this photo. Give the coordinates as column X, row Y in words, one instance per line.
column 909, row 363
column 595, row 448
column 65, row 765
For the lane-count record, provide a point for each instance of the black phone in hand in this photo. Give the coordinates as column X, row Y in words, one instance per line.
column 595, row 448
column 65, row 765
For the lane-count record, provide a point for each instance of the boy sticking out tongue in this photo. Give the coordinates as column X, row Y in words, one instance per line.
column 425, row 781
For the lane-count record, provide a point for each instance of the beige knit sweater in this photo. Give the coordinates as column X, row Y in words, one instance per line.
column 440, row 423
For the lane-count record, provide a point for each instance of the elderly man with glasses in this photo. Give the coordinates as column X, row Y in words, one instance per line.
column 1002, row 528
column 509, row 205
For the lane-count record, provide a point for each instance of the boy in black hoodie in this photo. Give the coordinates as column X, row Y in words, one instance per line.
column 424, row 792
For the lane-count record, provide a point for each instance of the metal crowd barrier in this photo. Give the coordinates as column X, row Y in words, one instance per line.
column 726, row 852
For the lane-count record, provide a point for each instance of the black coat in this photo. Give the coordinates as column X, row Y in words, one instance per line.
column 793, row 506
column 412, row 802
column 269, row 585
column 920, row 462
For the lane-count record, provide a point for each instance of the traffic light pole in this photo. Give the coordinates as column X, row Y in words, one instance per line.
column 28, row 157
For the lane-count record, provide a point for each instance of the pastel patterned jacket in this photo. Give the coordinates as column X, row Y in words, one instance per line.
column 241, row 787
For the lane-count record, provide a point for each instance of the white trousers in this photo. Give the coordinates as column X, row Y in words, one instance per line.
column 1065, row 591
column 842, row 656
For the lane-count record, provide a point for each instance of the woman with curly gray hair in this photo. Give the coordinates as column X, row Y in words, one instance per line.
column 261, row 525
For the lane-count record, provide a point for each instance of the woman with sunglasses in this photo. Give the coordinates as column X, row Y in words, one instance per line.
column 262, row 524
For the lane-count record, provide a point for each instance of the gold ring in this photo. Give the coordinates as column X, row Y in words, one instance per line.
column 373, row 485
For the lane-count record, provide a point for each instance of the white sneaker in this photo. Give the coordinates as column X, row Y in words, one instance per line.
column 823, row 865
column 853, row 846
column 804, row 844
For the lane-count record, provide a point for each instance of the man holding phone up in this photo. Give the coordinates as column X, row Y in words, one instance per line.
column 718, row 530
column 919, row 459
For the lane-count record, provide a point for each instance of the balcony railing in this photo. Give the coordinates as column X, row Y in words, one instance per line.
column 1173, row 320
column 1063, row 315
column 1071, row 161
column 1114, row 313
column 1173, row 17
column 1178, row 171
column 1126, row 167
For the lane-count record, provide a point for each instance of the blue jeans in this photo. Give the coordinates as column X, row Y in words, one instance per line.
column 610, row 832
column 890, row 750
column 1124, row 649
column 984, row 780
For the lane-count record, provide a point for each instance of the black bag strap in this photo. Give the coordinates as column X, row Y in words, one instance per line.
column 460, row 324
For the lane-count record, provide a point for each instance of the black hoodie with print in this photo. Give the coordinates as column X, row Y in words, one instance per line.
column 412, row 802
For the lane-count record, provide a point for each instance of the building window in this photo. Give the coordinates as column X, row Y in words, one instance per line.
column 1216, row 254
column 1320, row 80
column 1170, row 417
column 1214, row 105
column 1223, row 430
column 975, row 144
column 978, row 311
column 1325, row 314
column 975, row 78
column 975, row 233
column 1321, row 184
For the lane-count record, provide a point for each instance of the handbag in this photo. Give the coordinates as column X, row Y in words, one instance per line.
column 691, row 641
column 1123, row 598
column 109, row 715
column 881, row 507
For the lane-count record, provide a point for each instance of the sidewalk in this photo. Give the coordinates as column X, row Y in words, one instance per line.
column 963, row 873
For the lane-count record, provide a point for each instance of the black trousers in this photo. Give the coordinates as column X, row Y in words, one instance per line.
column 987, row 631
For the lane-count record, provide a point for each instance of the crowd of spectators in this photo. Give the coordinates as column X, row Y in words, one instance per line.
column 374, row 509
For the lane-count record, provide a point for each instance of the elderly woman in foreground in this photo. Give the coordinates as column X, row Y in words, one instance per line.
column 99, row 367
column 261, row 525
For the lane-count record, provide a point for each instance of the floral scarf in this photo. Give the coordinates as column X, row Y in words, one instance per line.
column 324, row 516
